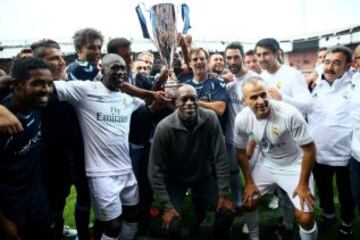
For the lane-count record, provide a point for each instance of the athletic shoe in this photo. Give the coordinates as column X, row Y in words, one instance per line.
column 345, row 232
column 245, row 229
column 69, row 232
column 274, row 202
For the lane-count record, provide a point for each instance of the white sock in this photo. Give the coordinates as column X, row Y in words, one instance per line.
column 128, row 230
column 345, row 223
column 104, row 237
column 311, row 234
column 330, row 216
column 252, row 220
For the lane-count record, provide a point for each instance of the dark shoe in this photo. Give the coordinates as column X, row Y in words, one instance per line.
column 325, row 223
column 345, row 232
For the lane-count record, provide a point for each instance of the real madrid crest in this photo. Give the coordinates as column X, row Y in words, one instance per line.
column 275, row 131
column 125, row 102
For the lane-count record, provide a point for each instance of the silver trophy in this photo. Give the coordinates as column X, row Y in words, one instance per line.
column 163, row 21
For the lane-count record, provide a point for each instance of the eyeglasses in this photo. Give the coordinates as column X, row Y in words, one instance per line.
column 356, row 58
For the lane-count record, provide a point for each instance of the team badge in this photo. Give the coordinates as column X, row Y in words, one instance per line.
column 275, row 131
column 279, row 85
column 125, row 102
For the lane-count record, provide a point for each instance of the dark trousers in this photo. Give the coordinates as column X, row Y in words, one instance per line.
column 145, row 190
column 355, row 180
column 324, row 180
column 64, row 167
column 33, row 219
column 205, row 191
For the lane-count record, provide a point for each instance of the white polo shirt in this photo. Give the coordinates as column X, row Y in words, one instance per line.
column 355, row 113
column 104, row 118
column 330, row 121
column 279, row 136
column 292, row 85
column 234, row 104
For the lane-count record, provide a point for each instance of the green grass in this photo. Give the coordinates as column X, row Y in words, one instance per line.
column 267, row 218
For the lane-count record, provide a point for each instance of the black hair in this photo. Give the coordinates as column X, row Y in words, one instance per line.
column 269, row 43
column 82, row 36
column 24, row 50
column 21, row 67
column 235, row 45
column 116, row 43
column 346, row 51
column 250, row 52
column 322, row 49
column 39, row 48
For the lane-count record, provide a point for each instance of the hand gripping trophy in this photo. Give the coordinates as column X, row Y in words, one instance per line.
column 164, row 33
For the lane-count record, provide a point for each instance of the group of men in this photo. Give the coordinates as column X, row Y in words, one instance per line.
column 120, row 133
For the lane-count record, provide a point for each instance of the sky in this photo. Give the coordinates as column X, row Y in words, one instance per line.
column 247, row 21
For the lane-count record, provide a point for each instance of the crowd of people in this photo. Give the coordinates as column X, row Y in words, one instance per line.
column 126, row 134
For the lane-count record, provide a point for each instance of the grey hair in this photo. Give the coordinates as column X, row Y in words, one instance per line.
column 251, row 80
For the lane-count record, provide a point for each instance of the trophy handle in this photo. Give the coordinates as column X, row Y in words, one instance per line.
column 185, row 14
column 142, row 21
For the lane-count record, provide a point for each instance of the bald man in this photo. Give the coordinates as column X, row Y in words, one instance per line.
column 104, row 113
column 187, row 152
column 288, row 153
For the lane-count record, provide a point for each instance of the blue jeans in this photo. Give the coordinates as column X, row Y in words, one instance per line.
column 355, row 179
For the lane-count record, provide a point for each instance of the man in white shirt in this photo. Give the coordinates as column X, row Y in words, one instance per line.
column 331, row 126
column 234, row 53
column 284, row 84
column 287, row 149
column 355, row 144
column 104, row 113
column 252, row 62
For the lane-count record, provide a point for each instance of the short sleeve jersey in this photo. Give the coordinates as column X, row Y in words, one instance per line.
column 104, row 117
column 211, row 90
column 234, row 104
column 279, row 136
column 82, row 70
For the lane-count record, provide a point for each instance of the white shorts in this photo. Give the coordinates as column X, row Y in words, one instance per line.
column 108, row 194
column 267, row 179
